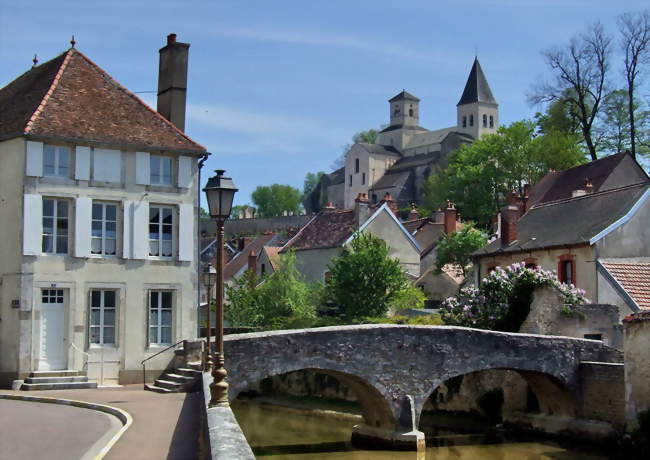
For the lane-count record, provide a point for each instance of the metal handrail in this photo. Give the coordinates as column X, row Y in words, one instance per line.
column 144, row 374
column 82, row 352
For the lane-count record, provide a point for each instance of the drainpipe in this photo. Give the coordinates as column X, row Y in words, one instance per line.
column 198, row 248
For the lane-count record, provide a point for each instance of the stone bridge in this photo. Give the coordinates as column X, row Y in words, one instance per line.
column 393, row 369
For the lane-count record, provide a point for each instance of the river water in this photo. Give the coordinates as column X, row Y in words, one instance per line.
column 281, row 434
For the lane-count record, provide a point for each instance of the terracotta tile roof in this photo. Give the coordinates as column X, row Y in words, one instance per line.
column 272, row 252
column 634, row 277
column 72, row 98
column 241, row 259
column 328, row 229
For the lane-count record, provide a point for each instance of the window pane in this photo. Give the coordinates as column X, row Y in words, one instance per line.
column 94, row 317
column 167, row 171
column 109, row 299
column 48, row 207
column 96, row 246
column 154, row 215
column 153, row 232
column 94, row 335
column 109, row 317
column 61, row 208
column 48, row 223
column 47, row 244
column 111, row 212
column 153, row 299
column 48, row 160
column 166, row 318
column 153, row 248
column 166, row 335
column 167, row 215
column 166, row 249
column 96, row 228
column 109, row 335
column 62, row 245
column 110, row 247
column 63, row 157
column 166, row 299
column 110, row 229
column 154, row 168
column 95, row 299
column 62, row 226
column 153, row 335
column 97, row 211
column 153, row 318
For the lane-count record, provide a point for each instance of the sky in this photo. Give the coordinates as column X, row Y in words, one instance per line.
column 276, row 89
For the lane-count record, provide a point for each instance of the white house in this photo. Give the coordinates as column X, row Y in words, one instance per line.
column 98, row 204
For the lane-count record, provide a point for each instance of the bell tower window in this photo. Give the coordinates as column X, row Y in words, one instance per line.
column 410, row 111
column 464, row 122
column 471, row 120
column 491, row 121
column 356, row 166
column 484, row 121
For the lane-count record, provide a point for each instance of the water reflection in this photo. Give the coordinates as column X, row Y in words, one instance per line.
column 284, row 434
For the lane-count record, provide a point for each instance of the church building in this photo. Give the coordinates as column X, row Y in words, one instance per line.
column 405, row 152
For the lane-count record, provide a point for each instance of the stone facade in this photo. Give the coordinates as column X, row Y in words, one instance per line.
column 637, row 366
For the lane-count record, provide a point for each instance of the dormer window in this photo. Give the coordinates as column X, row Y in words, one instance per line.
column 484, row 121
column 491, row 121
column 56, row 161
column 471, row 120
column 464, row 122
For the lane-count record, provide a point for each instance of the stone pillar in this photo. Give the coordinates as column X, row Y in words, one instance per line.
column 637, row 366
column 404, row 435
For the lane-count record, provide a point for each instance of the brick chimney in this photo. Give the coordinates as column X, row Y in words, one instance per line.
column 414, row 214
column 589, row 186
column 361, row 209
column 391, row 203
column 252, row 261
column 329, row 206
column 509, row 218
column 450, row 218
column 172, row 81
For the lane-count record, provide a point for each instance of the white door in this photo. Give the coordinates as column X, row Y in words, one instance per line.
column 52, row 346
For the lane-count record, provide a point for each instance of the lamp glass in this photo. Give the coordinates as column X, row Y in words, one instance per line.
column 220, row 192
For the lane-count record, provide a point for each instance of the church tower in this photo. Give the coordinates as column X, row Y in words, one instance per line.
column 404, row 110
column 477, row 110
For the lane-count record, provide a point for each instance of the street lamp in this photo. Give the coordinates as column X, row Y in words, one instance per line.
column 220, row 192
column 208, row 279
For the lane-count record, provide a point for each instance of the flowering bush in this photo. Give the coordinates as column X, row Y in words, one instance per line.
column 502, row 301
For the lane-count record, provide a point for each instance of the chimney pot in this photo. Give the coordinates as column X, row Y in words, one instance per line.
column 414, row 214
column 252, row 261
column 388, row 199
column 450, row 218
column 171, row 38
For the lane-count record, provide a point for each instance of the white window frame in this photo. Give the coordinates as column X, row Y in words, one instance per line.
column 102, row 324
column 161, row 160
column 55, row 230
column 161, row 226
column 158, row 325
column 103, row 238
column 58, row 151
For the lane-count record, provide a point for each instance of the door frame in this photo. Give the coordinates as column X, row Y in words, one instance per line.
column 40, row 364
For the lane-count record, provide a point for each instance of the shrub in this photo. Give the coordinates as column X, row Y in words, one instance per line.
column 502, row 300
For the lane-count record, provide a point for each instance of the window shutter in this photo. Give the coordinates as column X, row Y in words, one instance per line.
column 32, row 225
column 82, row 163
column 142, row 172
column 34, row 161
column 140, row 239
column 127, row 232
column 186, row 232
column 184, row 171
column 82, row 218
column 107, row 165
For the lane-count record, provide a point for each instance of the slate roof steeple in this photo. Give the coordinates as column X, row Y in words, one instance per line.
column 476, row 88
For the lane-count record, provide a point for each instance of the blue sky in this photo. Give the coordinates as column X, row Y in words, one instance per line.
column 277, row 88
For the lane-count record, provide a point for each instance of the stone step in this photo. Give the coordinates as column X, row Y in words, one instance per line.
column 173, row 386
column 58, row 386
column 189, row 372
column 75, row 378
column 62, row 373
column 196, row 365
column 157, row 389
column 178, row 378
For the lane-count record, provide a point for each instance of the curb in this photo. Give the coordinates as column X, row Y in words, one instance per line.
column 122, row 415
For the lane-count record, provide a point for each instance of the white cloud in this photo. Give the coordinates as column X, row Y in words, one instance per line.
column 333, row 39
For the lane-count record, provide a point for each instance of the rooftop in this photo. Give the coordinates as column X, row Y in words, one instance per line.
column 633, row 276
column 328, row 229
column 476, row 88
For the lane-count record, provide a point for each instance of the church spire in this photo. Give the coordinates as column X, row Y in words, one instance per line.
column 476, row 88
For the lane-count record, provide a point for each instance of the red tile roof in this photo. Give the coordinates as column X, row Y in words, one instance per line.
column 241, row 259
column 634, row 277
column 72, row 98
column 329, row 229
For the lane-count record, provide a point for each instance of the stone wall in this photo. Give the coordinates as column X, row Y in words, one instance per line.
column 603, row 382
column 257, row 225
column 546, row 318
column 637, row 366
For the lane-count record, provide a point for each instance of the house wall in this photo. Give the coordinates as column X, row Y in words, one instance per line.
column 629, row 240
column 548, row 259
column 132, row 279
column 384, row 227
column 637, row 367
column 312, row 263
column 351, row 192
column 438, row 287
column 11, row 197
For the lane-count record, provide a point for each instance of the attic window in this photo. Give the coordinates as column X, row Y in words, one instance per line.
column 491, row 121
column 56, row 161
column 484, row 121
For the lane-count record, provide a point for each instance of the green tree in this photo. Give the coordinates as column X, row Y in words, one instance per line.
column 203, row 213
column 276, row 199
column 479, row 176
column 281, row 300
column 311, row 181
column 365, row 281
column 456, row 248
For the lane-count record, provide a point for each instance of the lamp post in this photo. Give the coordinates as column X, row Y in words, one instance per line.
column 208, row 278
column 220, row 192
